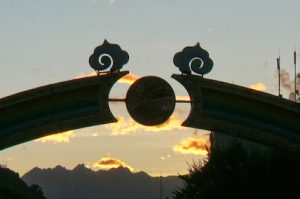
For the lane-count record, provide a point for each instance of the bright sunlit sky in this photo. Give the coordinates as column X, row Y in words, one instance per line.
column 48, row 41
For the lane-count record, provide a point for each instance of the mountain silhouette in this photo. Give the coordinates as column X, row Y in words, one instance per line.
column 84, row 183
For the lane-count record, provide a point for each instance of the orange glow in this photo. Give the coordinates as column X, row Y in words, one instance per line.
column 128, row 79
column 258, row 87
column 109, row 163
column 86, row 75
column 125, row 127
column 63, row 137
column 183, row 98
column 194, row 146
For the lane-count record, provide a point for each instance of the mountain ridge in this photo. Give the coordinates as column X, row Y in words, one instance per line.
column 116, row 183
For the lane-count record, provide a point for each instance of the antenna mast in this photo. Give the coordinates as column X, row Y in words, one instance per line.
column 295, row 64
column 278, row 68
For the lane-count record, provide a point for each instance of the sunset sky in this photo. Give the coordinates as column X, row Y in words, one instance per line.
column 48, row 41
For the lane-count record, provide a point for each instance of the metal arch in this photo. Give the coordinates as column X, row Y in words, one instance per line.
column 150, row 101
column 242, row 112
column 55, row 108
column 216, row 106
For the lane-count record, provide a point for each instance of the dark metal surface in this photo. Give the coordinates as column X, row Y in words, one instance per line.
column 215, row 106
column 193, row 58
column 107, row 56
column 55, row 108
column 242, row 112
column 150, row 100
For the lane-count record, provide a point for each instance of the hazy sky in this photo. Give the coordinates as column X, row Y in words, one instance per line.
column 47, row 41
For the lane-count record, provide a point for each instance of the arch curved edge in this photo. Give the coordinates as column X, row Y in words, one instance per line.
column 242, row 112
column 56, row 108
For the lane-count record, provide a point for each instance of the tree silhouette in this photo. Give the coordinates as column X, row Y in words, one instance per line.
column 38, row 190
column 12, row 187
column 236, row 173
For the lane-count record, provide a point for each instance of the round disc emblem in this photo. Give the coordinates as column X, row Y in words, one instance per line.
column 150, row 100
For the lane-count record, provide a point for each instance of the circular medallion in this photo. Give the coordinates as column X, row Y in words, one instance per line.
column 150, row 100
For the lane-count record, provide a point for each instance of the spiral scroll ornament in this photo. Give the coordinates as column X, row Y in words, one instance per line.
column 108, row 56
column 193, row 58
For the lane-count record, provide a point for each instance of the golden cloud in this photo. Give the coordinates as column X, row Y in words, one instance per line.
column 128, row 79
column 165, row 157
column 125, row 127
column 194, row 146
column 109, row 163
column 258, row 87
column 63, row 137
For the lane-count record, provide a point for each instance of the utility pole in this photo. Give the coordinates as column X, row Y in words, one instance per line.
column 161, row 194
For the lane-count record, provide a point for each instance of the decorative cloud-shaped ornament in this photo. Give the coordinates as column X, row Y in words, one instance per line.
column 193, row 58
column 108, row 56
